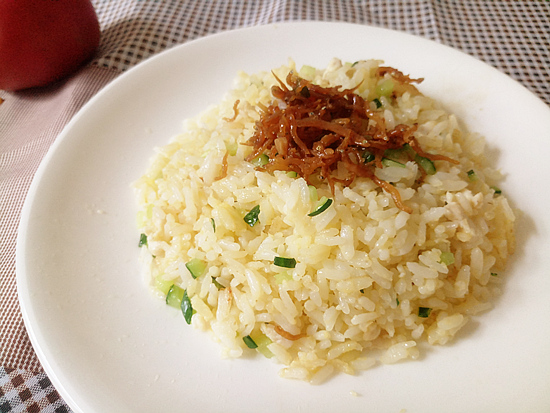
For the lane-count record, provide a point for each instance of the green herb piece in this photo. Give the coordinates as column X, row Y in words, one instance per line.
column 362, row 290
column 390, row 162
column 323, row 205
column 252, row 217
column 174, row 296
column 447, row 258
column 292, row 174
column 260, row 160
column 142, row 240
column 196, row 267
column 472, row 176
column 424, row 312
column 497, row 190
column 494, row 274
column 368, row 156
column 186, row 308
column 284, row 262
column 217, row 284
column 213, row 224
column 249, row 342
column 425, row 164
column 377, row 102
column 397, row 300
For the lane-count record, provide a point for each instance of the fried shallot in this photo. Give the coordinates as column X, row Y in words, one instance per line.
column 310, row 130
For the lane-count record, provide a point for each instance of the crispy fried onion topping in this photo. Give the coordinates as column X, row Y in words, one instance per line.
column 311, row 130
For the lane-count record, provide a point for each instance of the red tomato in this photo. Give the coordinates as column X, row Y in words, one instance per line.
column 42, row 41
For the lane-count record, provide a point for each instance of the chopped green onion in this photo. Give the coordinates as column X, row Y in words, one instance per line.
column 497, row 190
column 186, row 308
column 397, row 300
column 213, row 224
column 362, row 290
column 447, row 258
column 292, row 174
column 385, row 88
column 390, row 162
column 377, row 102
column 472, row 176
column 196, row 267
column 217, row 284
column 142, row 240
column 174, row 296
column 494, row 274
column 260, row 160
column 284, row 262
column 252, row 217
column 424, row 312
column 354, row 63
column 282, row 276
column 249, row 342
column 368, row 156
column 324, row 203
column 425, row 164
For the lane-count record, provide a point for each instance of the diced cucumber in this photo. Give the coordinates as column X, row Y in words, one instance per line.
column 390, row 162
column 231, row 148
column 282, row 276
column 174, row 296
column 385, row 87
column 313, row 193
column 262, row 341
column 472, row 176
column 217, row 284
column 260, row 160
column 307, row 72
column 447, row 258
column 163, row 285
column 196, row 267
column 425, row 164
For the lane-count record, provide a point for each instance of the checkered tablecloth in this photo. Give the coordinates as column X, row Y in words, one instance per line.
column 513, row 36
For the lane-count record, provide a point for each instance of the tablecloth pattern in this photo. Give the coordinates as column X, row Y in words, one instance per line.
column 513, row 36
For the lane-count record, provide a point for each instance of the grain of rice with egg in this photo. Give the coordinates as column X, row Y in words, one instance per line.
column 369, row 281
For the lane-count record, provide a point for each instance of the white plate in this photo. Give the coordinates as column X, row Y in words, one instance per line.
column 109, row 346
